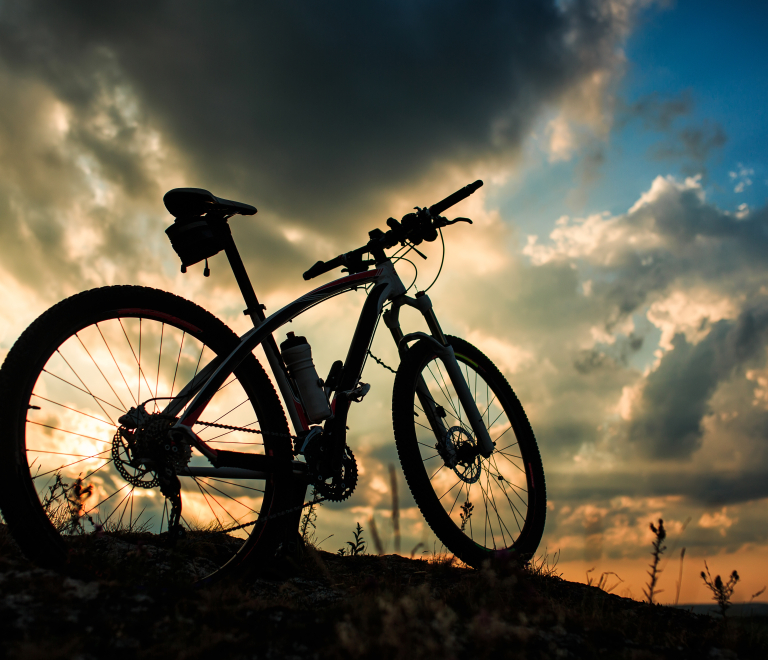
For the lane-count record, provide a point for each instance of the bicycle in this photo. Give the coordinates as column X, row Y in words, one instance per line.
column 131, row 410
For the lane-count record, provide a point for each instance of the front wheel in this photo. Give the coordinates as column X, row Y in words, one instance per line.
column 478, row 507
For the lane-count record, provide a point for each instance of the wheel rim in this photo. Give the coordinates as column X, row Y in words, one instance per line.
column 487, row 499
column 88, row 382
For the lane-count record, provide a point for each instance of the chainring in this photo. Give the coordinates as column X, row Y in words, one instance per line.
column 339, row 487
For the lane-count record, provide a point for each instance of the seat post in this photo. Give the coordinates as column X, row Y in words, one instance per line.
column 254, row 309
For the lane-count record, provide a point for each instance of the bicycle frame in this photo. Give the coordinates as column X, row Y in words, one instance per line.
column 385, row 286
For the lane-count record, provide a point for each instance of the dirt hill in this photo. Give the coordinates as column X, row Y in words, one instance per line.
column 122, row 598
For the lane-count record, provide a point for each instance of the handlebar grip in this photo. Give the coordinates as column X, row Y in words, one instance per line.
column 455, row 198
column 322, row 267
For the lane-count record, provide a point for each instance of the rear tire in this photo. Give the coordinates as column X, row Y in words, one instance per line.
column 63, row 386
column 482, row 507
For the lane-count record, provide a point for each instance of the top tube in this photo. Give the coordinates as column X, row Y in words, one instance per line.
column 251, row 339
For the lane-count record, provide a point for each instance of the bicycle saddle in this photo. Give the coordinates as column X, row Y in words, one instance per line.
column 186, row 202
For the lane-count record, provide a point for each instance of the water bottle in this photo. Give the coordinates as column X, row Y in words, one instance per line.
column 297, row 355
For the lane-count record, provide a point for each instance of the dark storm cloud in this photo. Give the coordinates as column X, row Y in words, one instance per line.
column 693, row 143
column 608, row 357
column 311, row 109
column 714, row 488
column 677, row 254
column 654, row 111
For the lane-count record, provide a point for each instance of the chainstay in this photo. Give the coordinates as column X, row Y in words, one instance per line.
column 285, row 512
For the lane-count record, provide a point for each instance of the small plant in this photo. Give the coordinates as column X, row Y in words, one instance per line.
column 660, row 534
column 63, row 503
column 466, row 513
column 308, row 526
column 375, row 535
column 356, row 547
column 721, row 592
column 544, row 565
column 395, row 507
column 680, row 577
column 602, row 582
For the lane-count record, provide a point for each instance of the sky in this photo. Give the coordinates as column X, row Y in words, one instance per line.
column 616, row 270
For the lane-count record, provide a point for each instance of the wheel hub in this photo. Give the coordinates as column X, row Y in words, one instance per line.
column 461, row 453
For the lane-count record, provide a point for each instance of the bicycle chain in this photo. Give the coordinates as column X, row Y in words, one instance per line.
column 246, row 430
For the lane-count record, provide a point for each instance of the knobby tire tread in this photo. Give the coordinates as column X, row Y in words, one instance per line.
column 418, row 480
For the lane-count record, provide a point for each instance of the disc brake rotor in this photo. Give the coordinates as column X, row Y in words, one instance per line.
column 460, row 453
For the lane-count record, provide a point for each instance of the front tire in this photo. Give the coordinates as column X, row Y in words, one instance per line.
column 65, row 473
column 478, row 507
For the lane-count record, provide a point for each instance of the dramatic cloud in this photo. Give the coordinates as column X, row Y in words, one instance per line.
column 636, row 341
column 318, row 115
column 667, row 375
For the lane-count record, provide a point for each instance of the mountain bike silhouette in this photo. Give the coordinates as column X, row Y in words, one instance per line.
column 129, row 409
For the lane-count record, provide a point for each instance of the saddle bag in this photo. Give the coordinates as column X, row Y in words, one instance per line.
column 198, row 238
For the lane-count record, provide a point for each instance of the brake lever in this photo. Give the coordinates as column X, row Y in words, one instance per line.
column 455, row 220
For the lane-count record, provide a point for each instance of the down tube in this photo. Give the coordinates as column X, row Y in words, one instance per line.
column 254, row 337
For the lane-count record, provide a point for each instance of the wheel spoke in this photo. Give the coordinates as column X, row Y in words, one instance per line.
column 140, row 376
column 79, row 412
column 62, row 467
column 445, row 393
column 159, row 357
column 114, row 359
column 242, row 504
column 178, row 359
column 56, row 428
column 106, row 380
column 95, row 398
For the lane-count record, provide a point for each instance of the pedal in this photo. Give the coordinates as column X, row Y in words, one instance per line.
column 358, row 393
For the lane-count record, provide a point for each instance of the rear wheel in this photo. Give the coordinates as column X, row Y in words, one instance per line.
column 67, row 470
column 478, row 507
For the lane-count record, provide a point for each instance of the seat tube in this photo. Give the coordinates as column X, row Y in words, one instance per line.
column 255, row 310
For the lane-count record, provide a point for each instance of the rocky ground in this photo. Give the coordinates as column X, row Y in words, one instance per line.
column 122, row 600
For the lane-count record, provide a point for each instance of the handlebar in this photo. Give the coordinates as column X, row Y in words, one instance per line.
column 455, row 198
column 422, row 225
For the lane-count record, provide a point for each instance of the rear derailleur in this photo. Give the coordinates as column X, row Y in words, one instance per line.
column 147, row 454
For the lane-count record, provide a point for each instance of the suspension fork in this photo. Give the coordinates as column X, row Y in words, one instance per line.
column 445, row 352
